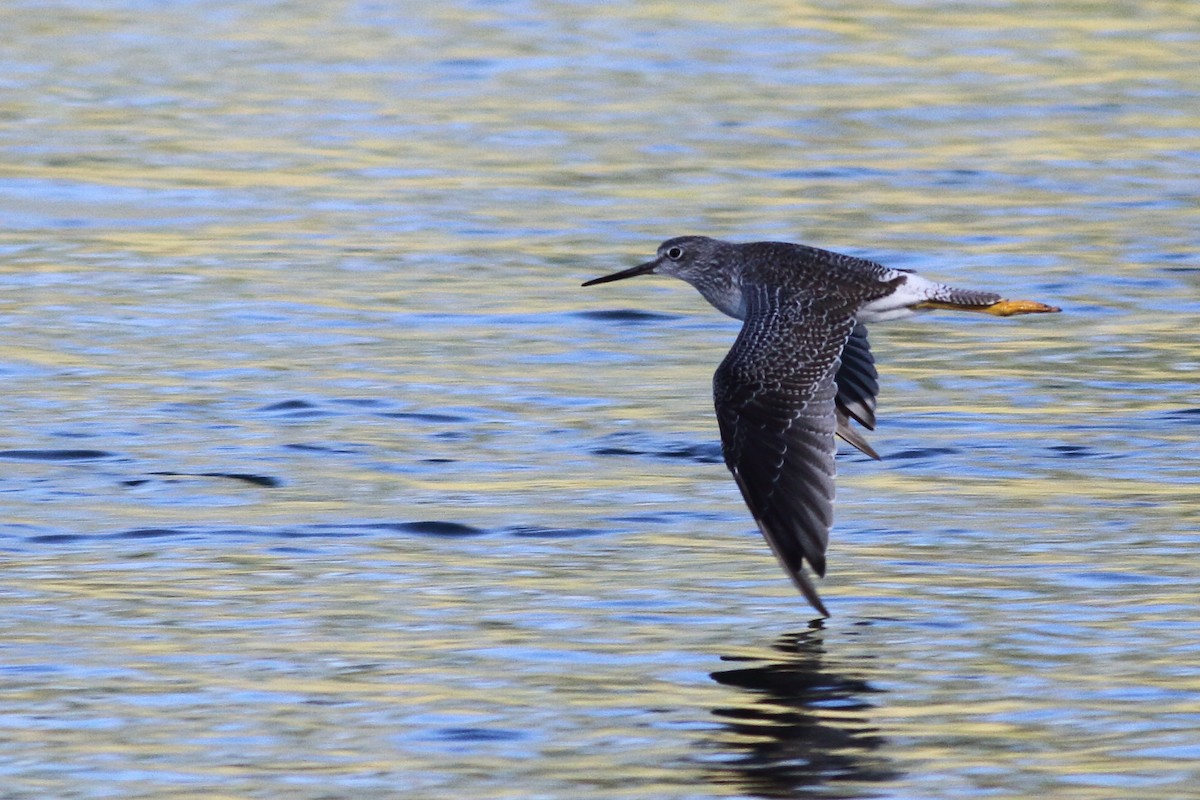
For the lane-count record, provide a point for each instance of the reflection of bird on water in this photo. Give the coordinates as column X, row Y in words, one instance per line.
column 799, row 726
column 800, row 370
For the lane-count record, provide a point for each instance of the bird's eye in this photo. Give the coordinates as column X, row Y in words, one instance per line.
column 675, row 253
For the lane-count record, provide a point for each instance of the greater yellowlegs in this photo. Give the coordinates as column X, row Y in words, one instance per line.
column 800, row 370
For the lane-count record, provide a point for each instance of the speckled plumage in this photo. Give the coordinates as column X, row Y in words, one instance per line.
column 799, row 371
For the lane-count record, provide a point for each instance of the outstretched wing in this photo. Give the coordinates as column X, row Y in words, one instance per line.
column 775, row 396
column 857, row 386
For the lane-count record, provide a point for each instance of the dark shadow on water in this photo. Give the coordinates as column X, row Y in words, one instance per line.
column 798, row 728
column 625, row 315
column 633, row 444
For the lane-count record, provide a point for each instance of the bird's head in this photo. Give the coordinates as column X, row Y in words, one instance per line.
column 710, row 265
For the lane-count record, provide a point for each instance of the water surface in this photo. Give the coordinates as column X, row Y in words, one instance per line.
column 323, row 477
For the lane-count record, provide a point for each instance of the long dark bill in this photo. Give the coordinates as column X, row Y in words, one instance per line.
column 632, row 272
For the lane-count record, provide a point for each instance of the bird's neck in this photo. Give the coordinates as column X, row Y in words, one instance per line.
column 725, row 296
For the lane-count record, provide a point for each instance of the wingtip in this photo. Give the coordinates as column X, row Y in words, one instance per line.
column 810, row 593
column 851, row 436
column 857, row 441
column 795, row 571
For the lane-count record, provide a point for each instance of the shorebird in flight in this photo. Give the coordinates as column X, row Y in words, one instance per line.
column 800, row 370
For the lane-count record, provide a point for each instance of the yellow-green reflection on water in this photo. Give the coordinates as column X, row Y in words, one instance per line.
column 323, row 477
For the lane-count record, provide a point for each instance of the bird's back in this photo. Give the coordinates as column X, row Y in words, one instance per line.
column 840, row 283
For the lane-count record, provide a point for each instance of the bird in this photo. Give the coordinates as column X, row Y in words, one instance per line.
column 800, row 371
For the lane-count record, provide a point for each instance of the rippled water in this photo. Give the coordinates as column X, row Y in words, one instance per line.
column 323, row 477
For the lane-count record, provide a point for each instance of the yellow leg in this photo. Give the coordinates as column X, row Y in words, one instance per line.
column 1003, row 308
